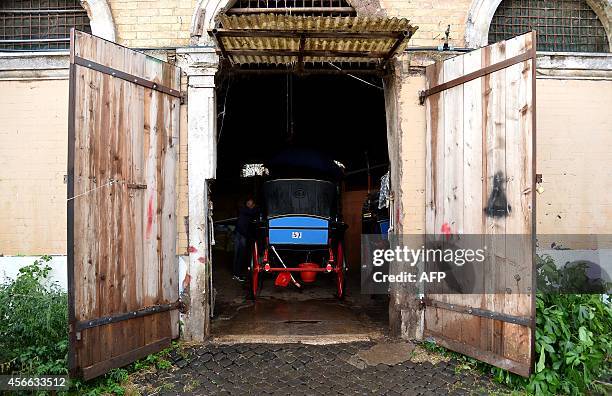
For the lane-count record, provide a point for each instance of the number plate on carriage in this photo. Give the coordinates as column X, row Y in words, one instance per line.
column 298, row 230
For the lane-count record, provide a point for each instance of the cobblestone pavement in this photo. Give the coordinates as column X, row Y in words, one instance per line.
column 299, row 369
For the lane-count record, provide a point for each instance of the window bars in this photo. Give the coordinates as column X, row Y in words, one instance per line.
column 293, row 7
column 562, row 25
column 33, row 25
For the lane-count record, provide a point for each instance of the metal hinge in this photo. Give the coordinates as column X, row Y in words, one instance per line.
column 183, row 98
column 422, row 97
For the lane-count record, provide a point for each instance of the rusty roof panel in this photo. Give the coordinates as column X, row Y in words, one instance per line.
column 246, row 38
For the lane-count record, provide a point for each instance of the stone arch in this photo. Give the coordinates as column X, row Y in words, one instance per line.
column 206, row 11
column 100, row 18
column 481, row 14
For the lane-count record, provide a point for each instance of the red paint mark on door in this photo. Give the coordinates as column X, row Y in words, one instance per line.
column 186, row 281
column 150, row 216
column 202, row 260
column 446, row 230
column 192, row 249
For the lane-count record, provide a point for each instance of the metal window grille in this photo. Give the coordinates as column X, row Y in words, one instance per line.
column 562, row 25
column 31, row 25
column 294, row 7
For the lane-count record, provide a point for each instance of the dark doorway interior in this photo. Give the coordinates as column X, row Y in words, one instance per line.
column 259, row 116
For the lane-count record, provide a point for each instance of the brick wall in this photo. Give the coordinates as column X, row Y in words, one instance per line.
column 152, row 23
column 167, row 23
column 432, row 17
column 413, row 128
column 182, row 204
column 33, row 154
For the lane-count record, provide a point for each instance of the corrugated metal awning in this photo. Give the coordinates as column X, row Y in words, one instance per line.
column 294, row 39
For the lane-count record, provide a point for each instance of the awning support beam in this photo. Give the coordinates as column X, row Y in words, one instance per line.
column 306, row 34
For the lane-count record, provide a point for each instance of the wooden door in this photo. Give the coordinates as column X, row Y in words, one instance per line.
column 480, row 182
column 122, row 157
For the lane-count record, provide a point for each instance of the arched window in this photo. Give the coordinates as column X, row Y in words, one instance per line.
column 32, row 25
column 562, row 25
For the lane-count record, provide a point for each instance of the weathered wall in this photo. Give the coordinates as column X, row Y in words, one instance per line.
column 152, row 23
column 432, row 18
column 33, row 154
column 182, row 206
column 412, row 121
column 574, row 140
column 574, row 136
column 33, row 160
column 167, row 23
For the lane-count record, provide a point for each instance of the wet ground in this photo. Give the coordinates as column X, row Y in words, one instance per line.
column 287, row 314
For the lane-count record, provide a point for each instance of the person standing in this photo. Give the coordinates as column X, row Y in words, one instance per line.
column 243, row 234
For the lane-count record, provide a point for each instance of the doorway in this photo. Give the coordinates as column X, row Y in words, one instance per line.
column 261, row 116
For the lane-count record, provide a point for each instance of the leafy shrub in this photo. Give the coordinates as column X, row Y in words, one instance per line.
column 34, row 333
column 573, row 335
column 33, row 323
column 573, row 340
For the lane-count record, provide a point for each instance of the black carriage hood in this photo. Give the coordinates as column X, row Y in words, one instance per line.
column 303, row 163
column 300, row 197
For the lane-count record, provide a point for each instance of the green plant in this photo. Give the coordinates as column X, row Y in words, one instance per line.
column 110, row 384
column 157, row 360
column 573, row 340
column 34, row 333
column 33, row 322
column 573, row 345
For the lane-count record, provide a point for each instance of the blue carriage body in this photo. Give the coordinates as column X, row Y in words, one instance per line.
column 298, row 230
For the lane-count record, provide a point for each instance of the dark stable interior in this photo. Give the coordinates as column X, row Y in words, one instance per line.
column 262, row 115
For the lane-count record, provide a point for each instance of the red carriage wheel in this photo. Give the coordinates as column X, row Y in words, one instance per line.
column 255, row 269
column 340, row 268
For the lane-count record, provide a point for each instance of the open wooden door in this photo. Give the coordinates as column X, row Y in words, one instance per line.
column 480, row 181
column 122, row 158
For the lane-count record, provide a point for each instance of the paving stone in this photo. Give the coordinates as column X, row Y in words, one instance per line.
column 295, row 369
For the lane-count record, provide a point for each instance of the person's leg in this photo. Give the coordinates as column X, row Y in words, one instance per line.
column 239, row 246
column 246, row 257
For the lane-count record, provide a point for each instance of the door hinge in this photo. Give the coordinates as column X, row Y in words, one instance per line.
column 422, row 97
column 183, row 98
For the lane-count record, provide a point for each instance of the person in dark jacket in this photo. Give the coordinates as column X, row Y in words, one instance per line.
column 242, row 253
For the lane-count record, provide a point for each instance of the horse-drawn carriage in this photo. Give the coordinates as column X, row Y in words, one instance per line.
column 300, row 233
